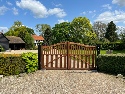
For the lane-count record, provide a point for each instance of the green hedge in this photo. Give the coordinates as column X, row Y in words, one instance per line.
column 112, row 46
column 111, row 63
column 11, row 65
column 15, row 64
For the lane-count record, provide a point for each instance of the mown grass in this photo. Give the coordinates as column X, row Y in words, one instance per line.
column 114, row 51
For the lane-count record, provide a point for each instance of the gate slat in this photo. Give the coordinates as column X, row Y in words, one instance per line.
column 77, row 61
column 47, row 59
column 81, row 61
column 56, row 62
column 74, row 61
column 60, row 61
column 85, row 61
column 52, row 60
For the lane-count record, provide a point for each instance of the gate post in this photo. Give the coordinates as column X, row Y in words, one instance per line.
column 39, row 57
column 98, row 49
column 68, row 47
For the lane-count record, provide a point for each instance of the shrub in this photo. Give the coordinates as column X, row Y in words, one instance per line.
column 31, row 60
column 111, row 63
column 11, row 64
column 1, row 48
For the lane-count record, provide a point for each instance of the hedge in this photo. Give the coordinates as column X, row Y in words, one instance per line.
column 111, row 63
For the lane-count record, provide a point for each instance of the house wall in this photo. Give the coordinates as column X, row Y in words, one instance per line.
column 37, row 41
column 4, row 42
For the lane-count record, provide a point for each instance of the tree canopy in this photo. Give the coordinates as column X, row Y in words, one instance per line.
column 111, row 34
column 19, row 30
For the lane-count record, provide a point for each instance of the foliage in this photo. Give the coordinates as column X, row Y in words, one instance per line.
column 26, row 37
column 23, row 32
column 41, row 28
column 110, row 34
column 122, row 35
column 11, row 64
column 112, row 46
column 99, row 28
column 1, row 48
column 31, row 61
column 46, row 32
column 81, row 30
column 47, row 37
column 111, row 63
column 61, row 32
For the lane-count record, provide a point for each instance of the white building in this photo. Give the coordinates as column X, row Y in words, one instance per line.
column 37, row 39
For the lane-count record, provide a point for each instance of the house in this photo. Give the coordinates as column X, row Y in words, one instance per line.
column 4, row 42
column 15, row 43
column 37, row 39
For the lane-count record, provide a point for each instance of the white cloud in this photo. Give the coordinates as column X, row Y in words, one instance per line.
column 15, row 11
column 62, row 20
column 57, row 5
column 57, row 11
column 39, row 10
column 9, row 3
column 107, row 6
column 83, row 13
column 119, row 2
column 3, row 9
column 4, row 29
column 90, row 12
column 116, row 16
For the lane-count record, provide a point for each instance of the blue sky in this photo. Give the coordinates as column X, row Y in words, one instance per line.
column 33, row 12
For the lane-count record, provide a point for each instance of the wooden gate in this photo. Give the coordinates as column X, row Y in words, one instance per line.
column 67, row 55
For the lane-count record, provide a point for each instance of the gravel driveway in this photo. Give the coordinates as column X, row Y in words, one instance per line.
column 62, row 82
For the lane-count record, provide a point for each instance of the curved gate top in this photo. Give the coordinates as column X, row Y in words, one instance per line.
column 67, row 55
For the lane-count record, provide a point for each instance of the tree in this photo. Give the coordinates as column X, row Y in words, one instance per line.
column 26, row 37
column 42, row 27
column 15, row 28
column 110, row 34
column 61, row 32
column 99, row 28
column 81, row 30
column 122, row 35
column 48, row 37
column 23, row 32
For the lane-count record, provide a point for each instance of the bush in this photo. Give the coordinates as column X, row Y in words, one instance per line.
column 31, row 60
column 11, row 64
column 1, row 48
column 112, row 46
column 111, row 63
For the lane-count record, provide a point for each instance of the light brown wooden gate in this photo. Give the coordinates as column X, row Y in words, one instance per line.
column 67, row 55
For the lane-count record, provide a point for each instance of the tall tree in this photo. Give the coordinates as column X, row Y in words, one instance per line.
column 48, row 36
column 99, row 28
column 26, row 37
column 122, row 35
column 81, row 30
column 61, row 32
column 23, row 32
column 42, row 27
column 111, row 34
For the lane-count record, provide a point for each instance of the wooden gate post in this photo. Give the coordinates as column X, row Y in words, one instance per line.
column 39, row 57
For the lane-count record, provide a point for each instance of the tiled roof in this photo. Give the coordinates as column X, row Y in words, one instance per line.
column 14, row 39
column 35, row 37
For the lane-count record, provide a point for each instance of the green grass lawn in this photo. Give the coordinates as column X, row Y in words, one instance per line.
column 114, row 51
